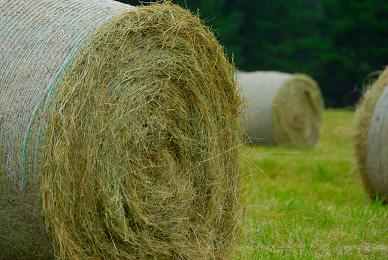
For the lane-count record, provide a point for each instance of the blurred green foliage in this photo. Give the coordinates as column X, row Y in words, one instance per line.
column 339, row 43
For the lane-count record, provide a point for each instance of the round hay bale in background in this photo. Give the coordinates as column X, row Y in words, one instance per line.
column 119, row 125
column 281, row 109
column 371, row 143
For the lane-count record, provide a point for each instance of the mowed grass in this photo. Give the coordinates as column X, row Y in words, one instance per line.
column 310, row 204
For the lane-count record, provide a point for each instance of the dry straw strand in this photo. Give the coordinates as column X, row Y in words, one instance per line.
column 136, row 148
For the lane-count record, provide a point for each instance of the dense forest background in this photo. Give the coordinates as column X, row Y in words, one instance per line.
column 339, row 43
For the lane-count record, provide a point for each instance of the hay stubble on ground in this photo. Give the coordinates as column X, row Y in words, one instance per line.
column 311, row 204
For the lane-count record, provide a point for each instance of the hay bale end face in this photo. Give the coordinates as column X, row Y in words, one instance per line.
column 120, row 125
column 370, row 139
column 281, row 109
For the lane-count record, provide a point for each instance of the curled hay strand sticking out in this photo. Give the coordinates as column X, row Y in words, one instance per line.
column 370, row 138
column 281, row 109
column 138, row 153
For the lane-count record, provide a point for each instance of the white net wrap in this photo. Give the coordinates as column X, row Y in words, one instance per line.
column 37, row 40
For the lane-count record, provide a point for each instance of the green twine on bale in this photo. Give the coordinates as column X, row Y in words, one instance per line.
column 50, row 90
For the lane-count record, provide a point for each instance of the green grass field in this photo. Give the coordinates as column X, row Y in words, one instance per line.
column 310, row 204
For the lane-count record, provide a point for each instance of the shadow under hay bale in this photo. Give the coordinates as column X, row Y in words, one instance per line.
column 370, row 139
column 124, row 129
column 281, row 109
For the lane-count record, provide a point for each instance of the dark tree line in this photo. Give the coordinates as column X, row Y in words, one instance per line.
column 339, row 43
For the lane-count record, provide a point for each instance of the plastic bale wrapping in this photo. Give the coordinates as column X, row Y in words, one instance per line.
column 370, row 138
column 121, row 126
column 281, row 109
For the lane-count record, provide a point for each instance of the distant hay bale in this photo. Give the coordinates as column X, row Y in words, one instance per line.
column 119, row 128
column 371, row 141
column 281, row 109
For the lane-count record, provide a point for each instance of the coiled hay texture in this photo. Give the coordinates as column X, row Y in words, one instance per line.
column 121, row 124
column 281, row 109
column 370, row 139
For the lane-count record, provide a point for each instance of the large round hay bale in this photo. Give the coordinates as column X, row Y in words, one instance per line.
column 371, row 143
column 118, row 132
column 281, row 108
